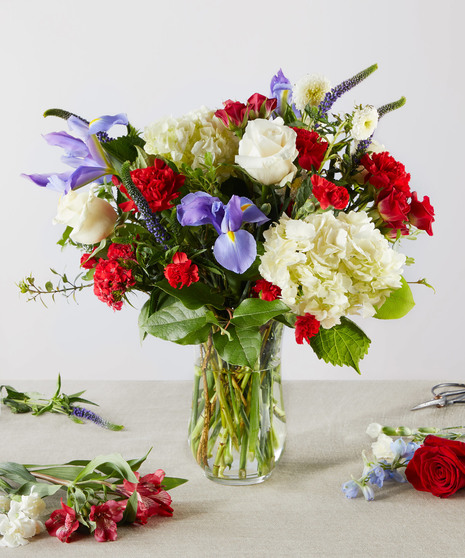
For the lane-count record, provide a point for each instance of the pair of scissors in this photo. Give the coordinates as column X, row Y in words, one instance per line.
column 444, row 395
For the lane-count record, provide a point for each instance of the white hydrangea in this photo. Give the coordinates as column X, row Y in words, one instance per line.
column 187, row 139
column 364, row 122
column 331, row 266
column 310, row 89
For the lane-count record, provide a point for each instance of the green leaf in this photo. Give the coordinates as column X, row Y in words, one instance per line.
column 124, row 147
column 242, row 348
column 253, row 312
column 16, row 472
column 343, row 344
column 130, row 510
column 40, row 488
column 399, row 303
column 62, row 472
column 172, row 482
column 194, row 296
column 114, row 460
column 175, row 322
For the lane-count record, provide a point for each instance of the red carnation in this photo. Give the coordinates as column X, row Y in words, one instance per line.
column 158, row 184
column 421, row 214
column 87, row 261
column 327, row 193
column 182, row 270
column 311, row 148
column 111, row 282
column 62, row 523
column 106, row 516
column 121, row 251
column 384, row 172
column 306, row 327
column 265, row 290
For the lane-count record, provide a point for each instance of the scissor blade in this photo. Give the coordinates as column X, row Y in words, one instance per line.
column 432, row 403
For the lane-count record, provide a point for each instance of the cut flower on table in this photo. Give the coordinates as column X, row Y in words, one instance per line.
column 272, row 208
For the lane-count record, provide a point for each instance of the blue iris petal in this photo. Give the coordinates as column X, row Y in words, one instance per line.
column 235, row 251
column 233, row 218
column 104, row 123
column 251, row 213
column 72, row 146
column 56, row 182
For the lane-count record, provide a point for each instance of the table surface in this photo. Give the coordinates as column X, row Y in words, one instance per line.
column 299, row 511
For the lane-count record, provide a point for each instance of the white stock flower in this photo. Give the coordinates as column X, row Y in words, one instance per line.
column 310, row 89
column 92, row 218
column 364, row 122
column 187, row 139
column 331, row 266
column 267, row 151
column 382, row 448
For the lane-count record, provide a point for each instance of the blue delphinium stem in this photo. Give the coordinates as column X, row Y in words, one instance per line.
column 332, row 96
column 82, row 413
column 151, row 220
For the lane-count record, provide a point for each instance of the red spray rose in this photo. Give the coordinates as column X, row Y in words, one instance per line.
column 265, row 290
column 383, row 171
column 328, row 193
column 306, row 327
column 111, row 281
column 260, row 106
column 106, row 516
column 393, row 207
column 182, row 270
column 311, row 148
column 421, row 214
column 62, row 523
column 151, row 498
column 438, row 466
column 234, row 113
column 158, row 184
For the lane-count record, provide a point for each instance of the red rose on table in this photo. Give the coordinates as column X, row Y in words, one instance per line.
column 438, row 467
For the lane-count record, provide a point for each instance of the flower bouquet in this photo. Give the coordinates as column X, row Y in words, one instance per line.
column 234, row 223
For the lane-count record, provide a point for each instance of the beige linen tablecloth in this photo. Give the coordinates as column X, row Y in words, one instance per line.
column 299, row 511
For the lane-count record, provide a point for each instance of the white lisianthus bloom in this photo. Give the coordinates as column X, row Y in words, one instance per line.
column 311, row 89
column 92, row 218
column 187, row 139
column 331, row 266
column 267, row 151
column 374, row 430
column 382, row 448
column 364, row 122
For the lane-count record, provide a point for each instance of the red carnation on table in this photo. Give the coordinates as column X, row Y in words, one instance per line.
column 182, row 271
column 306, row 327
column 111, row 282
column 159, row 185
column 311, row 148
column 421, row 214
column 62, row 523
column 265, row 290
column 328, row 193
column 384, row 172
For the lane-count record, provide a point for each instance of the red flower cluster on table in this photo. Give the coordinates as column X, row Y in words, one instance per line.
column 438, row 466
column 181, row 272
column 306, row 327
column 311, row 148
column 328, row 193
column 396, row 204
column 236, row 115
column 265, row 290
column 112, row 278
column 151, row 498
column 158, row 184
column 106, row 516
column 62, row 523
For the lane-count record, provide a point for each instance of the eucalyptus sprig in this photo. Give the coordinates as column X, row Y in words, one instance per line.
column 60, row 403
column 65, row 287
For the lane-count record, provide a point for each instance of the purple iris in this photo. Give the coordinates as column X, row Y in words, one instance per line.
column 234, row 249
column 86, row 156
column 281, row 89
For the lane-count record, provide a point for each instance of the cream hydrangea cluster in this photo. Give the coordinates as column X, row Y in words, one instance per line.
column 331, row 266
column 187, row 139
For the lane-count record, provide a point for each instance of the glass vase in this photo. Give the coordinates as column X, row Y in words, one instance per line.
column 238, row 424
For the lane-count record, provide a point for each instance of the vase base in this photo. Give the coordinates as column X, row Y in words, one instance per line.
column 237, row 481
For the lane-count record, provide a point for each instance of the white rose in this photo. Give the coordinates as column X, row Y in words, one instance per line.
column 92, row 218
column 267, row 151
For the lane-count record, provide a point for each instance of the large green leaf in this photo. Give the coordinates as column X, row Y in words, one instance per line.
column 242, row 348
column 177, row 323
column 343, row 344
column 114, row 460
column 399, row 303
column 41, row 488
column 194, row 296
column 16, row 472
column 254, row 312
column 172, row 482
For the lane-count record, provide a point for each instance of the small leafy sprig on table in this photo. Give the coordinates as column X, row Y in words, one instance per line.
column 101, row 493
column 60, row 403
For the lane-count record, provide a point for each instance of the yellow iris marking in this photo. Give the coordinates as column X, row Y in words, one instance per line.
column 245, row 206
column 94, row 120
column 232, row 236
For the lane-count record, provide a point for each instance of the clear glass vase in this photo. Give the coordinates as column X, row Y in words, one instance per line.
column 238, row 424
